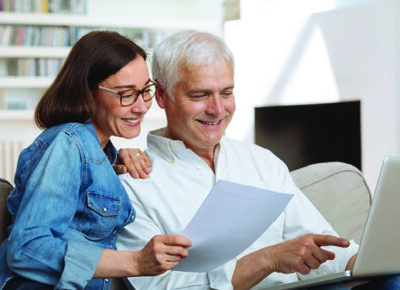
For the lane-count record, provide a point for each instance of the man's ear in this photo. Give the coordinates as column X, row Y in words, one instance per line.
column 160, row 95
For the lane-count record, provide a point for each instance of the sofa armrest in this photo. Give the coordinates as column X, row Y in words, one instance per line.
column 339, row 191
column 5, row 217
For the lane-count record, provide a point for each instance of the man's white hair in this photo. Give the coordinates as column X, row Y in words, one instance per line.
column 186, row 50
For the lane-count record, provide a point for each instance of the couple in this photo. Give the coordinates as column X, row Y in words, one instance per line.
column 68, row 205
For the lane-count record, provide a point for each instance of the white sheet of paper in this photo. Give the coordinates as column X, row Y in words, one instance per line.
column 230, row 219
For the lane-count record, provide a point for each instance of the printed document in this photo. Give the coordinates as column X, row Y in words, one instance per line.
column 230, row 219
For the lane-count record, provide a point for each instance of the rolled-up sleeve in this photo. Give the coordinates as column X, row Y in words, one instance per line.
column 78, row 269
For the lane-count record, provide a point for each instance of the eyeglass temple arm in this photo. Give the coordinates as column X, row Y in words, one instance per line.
column 108, row 90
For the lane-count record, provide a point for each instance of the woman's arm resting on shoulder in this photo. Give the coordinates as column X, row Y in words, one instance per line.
column 134, row 161
column 161, row 253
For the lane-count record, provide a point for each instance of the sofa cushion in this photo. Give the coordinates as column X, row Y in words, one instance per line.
column 341, row 194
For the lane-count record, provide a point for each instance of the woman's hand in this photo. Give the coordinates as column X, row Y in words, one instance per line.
column 134, row 161
column 161, row 253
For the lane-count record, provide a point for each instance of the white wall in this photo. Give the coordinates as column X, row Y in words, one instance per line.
column 290, row 52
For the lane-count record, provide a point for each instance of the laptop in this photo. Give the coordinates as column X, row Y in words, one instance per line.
column 379, row 252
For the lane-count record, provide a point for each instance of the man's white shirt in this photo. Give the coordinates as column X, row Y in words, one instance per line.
column 179, row 182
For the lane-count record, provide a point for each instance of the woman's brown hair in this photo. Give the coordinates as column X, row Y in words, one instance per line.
column 95, row 57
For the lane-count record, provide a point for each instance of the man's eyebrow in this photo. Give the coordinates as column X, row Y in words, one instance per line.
column 194, row 91
column 129, row 86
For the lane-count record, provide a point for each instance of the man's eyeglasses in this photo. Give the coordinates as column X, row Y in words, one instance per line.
column 130, row 96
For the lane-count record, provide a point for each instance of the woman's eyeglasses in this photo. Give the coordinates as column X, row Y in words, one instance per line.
column 130, row 96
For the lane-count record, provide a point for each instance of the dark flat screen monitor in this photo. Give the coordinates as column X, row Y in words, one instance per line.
column 301, row 135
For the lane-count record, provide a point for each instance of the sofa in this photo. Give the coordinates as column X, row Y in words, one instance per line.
column 340, row 193
column 337, row 189
column 5, row 217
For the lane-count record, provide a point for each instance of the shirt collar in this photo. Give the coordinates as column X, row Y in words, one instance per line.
column 170, row 149
column 167, row 148
column 110, row 151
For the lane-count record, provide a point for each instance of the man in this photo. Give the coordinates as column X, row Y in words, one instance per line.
column 194, row 72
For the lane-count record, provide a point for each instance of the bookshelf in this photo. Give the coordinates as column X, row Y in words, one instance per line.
column 22, row 86
column 34, row 44
column 45, row 6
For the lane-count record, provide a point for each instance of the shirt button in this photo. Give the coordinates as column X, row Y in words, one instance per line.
column 198, row 167
column 106, row 280
column 172, row 160
column 104, row 209
column 132, row 217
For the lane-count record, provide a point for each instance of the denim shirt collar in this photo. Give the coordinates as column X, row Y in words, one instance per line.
column 110, row 151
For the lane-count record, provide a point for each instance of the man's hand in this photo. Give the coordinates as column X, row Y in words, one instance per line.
column 162, row 253
column 298, row 255
column 134, row 161
column 351, row 262
column 303, row 253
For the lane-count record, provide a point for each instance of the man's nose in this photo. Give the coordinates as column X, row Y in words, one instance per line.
column 215, row 105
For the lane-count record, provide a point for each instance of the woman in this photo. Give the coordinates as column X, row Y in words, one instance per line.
column 68, row 204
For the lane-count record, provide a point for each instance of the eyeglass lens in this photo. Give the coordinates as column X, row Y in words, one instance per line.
column 130, row 96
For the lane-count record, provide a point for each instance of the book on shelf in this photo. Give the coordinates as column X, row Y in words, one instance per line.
column 2, row 100
column 18, row 35
column 3, row 67
column 20, row 99
column 44, row 6
column 30, row 66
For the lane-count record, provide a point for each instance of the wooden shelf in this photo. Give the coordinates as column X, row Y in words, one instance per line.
column 15, row 18
column 25, row 82
column 16, row 115
column 34, row 51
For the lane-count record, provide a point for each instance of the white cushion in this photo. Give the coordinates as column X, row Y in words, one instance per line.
column 341, row 194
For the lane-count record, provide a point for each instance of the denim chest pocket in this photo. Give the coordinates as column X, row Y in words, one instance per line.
column 100, row 216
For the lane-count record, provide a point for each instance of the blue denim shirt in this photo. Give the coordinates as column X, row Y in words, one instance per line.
column 67, row 206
